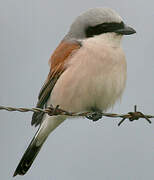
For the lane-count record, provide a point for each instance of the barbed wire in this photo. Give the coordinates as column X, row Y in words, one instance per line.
column 51, row 111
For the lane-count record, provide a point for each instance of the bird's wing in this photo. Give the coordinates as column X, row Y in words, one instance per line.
column 57, row 64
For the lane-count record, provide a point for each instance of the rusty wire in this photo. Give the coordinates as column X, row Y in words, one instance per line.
column 131, row 116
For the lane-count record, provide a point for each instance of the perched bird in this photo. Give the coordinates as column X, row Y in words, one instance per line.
column 87, row 73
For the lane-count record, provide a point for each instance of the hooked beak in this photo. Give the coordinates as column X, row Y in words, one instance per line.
column 126, row 30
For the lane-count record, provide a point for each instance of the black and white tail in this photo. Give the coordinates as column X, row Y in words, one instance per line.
column 28, row 157
column 48, row 125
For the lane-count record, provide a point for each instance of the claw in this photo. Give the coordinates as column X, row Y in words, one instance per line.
column 95, row 116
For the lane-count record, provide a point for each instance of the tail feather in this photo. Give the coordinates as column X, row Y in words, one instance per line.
column 28, row 158
column 47, row 126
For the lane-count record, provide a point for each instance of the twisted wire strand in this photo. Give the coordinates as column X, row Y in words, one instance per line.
column 57, row 111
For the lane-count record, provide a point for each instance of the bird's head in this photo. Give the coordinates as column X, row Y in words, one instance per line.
column 98, row 21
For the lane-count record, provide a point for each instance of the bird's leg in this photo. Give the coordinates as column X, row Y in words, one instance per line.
column 95, row 115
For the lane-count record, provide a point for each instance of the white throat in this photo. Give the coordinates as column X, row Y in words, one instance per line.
column 111, row 39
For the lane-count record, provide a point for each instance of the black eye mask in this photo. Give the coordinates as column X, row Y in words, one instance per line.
column 103, row 28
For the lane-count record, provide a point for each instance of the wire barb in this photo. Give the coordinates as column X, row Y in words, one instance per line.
column 135, row 116
column 51, row 111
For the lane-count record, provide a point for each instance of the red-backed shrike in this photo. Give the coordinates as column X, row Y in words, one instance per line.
column 87, row 73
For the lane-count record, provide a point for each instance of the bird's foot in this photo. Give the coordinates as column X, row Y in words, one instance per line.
column 94, row 116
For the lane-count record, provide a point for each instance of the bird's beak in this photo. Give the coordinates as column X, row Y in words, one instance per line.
column 126, row 30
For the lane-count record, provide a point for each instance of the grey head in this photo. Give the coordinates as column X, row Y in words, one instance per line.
column 98, row 21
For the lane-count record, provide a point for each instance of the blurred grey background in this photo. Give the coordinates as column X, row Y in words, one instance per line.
column 79, row 149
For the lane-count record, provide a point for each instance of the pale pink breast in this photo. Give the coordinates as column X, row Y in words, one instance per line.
column 96, row 76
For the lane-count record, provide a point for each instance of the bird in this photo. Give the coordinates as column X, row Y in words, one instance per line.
column 88, row 72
